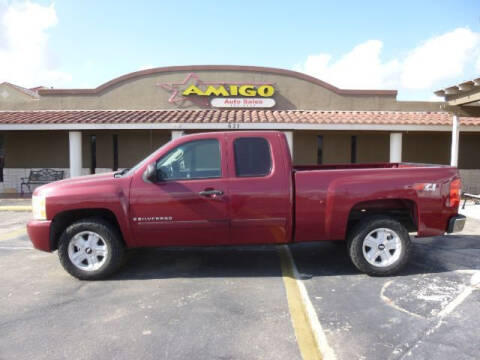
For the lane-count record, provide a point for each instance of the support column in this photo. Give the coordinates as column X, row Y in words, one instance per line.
column 455, row 141
column 75, row 147
column 177, row 134
column 395, row 147
column 289, row 136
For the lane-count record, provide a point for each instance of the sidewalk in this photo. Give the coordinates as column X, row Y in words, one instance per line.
column 471, row 210
column 14, row 202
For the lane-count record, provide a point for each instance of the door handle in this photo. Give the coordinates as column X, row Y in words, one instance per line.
column 211, row 192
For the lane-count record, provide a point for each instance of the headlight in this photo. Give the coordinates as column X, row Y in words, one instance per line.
column 39, row 208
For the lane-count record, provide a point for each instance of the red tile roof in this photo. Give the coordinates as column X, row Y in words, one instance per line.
column 225, row 116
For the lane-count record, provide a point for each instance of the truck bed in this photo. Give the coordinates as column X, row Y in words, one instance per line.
column 326, row 195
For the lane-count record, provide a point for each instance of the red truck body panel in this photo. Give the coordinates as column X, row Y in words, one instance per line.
column 94, row 192
column 290, row 204
column 253, row 210
column 261, row 208
column 325, row 198
column 190, row 218
column 39, row 233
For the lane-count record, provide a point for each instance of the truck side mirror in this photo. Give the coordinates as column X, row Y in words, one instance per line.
column 150, row 173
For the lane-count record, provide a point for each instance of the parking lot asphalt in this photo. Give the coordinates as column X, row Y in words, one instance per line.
column 170, row 304
column 429, row 311
column 230, row 303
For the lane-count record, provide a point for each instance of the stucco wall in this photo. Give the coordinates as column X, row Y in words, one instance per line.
column 133, row 146
column 28, row 149
column 371, row 147
column 104, row 149
column 470, row 180
column 143, row 92
column 469, row 151
column 42, row 149
column 304, row 147
column 336, row 147
column 11, row 96
column 433, row 148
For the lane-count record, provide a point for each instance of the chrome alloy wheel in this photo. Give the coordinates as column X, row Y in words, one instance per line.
column 87, row 250
column 382, row 247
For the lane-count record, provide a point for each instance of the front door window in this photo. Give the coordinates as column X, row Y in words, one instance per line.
column 193, row 160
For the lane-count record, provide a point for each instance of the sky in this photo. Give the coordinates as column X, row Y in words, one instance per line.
column 416, row 47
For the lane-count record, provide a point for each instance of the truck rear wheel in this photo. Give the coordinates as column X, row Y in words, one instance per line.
column 379, row 246
column 90, row 249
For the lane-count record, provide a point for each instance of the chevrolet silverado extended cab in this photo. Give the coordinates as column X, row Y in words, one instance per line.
column 240, row 188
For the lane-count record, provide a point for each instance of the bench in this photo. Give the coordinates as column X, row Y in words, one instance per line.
column 40, row 177
column 475, row 198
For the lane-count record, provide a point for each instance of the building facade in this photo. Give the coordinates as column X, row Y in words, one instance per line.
column 116, row 125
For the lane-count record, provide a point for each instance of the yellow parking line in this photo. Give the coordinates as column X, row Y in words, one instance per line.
column 16, row 208
column 304, row 332
column 13, row 234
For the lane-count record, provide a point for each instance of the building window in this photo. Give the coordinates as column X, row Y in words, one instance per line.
column 93, row 154
column 115, row 152
column 252, row 157
column 353, row 149
column 320, row 150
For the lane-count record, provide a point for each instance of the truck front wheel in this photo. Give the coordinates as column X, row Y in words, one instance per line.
column 90, row 249
column 379, row 246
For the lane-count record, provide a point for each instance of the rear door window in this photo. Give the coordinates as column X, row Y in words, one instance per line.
column 252, row 157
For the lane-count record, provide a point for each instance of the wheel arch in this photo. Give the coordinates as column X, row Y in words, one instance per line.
column 403, row 210
column 65, row 218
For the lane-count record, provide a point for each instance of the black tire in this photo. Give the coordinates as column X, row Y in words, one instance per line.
column 111, row 238
column 360, row 231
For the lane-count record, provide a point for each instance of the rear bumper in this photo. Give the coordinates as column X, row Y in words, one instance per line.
column 456, row 223
column 39, row 233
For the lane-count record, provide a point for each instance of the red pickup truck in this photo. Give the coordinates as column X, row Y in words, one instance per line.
column 240, row 188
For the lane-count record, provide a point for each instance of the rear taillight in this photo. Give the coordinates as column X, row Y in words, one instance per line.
column 454, row 197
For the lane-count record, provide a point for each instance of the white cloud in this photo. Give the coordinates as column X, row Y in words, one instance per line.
column 476, row 68
column 359, row 68
column 440, row 58
column 24, row 55
column 439, row 61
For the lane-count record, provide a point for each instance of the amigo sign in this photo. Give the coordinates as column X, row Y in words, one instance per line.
column 231, row 90
column 220, row 94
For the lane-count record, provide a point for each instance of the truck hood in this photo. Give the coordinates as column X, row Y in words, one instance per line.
column 81, row 181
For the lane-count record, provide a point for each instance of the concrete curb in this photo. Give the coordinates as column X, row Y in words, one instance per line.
column 16, row 208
